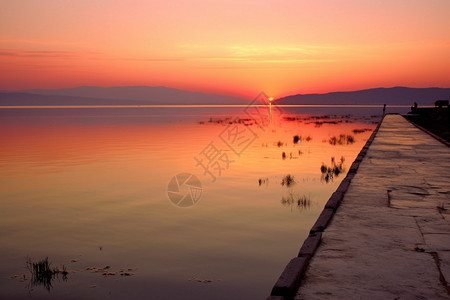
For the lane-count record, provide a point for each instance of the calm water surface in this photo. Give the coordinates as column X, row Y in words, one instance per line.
column 87, row 188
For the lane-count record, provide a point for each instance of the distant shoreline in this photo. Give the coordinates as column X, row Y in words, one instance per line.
column 161, row 96
column 195, row 106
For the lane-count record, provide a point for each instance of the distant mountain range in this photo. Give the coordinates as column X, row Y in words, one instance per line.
column 392, row 96
column 127, row 95
column 146, row 95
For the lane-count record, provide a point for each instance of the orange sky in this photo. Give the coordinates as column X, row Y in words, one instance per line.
column 231, row 47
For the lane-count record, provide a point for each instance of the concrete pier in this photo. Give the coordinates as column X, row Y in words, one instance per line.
column 388, row 236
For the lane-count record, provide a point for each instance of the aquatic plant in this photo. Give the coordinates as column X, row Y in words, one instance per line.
column 301, row 202
column 262, row 181
column 298, row 138
column 350, row 139
column 287, row 180
column 43, row 274
column 342, row 139
column 329, row 172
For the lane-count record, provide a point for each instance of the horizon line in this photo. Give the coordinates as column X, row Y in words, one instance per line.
column 29, row 90
column 199, row 106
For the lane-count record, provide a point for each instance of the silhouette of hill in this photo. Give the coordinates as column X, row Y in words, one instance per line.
column 26, row 99
column 146, row 95
column 390, row 96
column 142, row 94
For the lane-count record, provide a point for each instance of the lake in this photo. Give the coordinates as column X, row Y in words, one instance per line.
column 166, row 202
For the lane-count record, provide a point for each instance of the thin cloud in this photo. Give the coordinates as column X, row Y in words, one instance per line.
column 263, row 60
column 43, row 53
column 267, row 54
column 36, row 42
column 151, row 59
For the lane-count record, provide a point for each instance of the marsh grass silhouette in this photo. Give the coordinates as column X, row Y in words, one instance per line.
column 329, row 172
column 301, row 202
column 264, row 181
column 287, row 180
column 342, row 139
column 42, row 273
column 298, row 138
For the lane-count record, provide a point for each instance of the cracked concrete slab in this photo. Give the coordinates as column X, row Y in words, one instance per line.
column 390, row 237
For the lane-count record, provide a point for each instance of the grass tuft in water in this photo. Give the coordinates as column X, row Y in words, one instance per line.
column 301, row 202
column 43, row 274
column 329, row 172
column 342, row 139
column 287, row 180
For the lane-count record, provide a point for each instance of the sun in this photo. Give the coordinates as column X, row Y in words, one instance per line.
column 270, row 99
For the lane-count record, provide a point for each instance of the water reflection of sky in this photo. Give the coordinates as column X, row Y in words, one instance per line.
column 88, row 189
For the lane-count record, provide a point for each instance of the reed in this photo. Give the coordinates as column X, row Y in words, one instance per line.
column 42, row 273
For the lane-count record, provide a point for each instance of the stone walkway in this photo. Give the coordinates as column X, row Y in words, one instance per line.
column 390, row 237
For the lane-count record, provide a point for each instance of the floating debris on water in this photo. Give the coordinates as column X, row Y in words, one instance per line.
column 97, row 270
column 356, row 131
column 21, row 277
column 200, row 280
column 109, row 273
column 105, row 271
column 229, row 120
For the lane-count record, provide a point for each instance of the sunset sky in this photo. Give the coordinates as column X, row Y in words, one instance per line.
column 234, row 47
